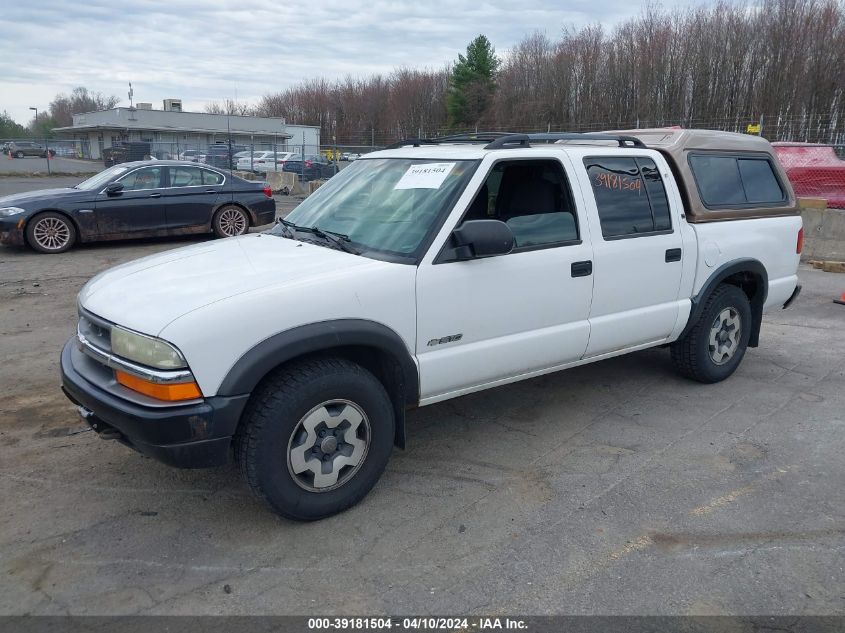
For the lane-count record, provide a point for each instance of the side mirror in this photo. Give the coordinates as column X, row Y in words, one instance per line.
column 475, row 239
column 114, row 188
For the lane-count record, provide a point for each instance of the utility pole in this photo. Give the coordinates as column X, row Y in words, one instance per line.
column 46, row 146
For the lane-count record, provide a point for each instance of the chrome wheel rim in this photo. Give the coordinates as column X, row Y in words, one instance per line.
column 725, row 333
column 232, row 222
column 328, row 446
column 51, row 234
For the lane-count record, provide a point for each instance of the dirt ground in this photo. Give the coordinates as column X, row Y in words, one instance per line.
column 614, row 488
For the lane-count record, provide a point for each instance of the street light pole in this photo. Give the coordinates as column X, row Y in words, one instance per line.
column 46, row 147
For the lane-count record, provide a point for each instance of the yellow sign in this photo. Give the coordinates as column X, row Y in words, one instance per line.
column 753, row 128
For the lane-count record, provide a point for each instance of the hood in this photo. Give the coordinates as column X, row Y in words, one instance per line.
column 147, row 294
column 18, row 199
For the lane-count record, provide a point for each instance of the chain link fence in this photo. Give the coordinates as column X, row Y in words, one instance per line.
column 811, row 148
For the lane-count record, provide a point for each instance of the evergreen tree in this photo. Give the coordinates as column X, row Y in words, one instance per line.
column 472, row 83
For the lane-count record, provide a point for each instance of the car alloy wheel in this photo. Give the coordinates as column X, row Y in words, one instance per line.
column 232, row 222
column 328, row 445
column 51, row 233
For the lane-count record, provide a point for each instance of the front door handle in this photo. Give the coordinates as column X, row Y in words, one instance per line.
column 155, row 195
column 582, row 269
column 211, row 191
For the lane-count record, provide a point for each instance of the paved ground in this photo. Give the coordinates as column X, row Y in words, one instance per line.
column 612, row 488
column 31, row 164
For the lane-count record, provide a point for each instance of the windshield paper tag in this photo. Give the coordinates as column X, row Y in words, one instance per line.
column 426, row 176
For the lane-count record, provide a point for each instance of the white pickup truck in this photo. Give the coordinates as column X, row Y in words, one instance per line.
column 423, row 272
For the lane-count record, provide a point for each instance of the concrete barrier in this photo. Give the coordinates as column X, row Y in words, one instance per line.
column 246, row 175
column 824, row 234
column 282, row 181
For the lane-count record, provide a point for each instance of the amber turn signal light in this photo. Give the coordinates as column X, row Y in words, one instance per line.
column 171, row 392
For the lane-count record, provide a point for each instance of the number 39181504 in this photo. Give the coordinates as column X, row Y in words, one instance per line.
column 615, row 181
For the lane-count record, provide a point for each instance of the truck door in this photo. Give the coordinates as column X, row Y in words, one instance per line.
column 637, row 251
column 485, row 320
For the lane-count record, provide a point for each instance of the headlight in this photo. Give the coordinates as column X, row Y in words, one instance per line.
column 7, row 211
column 146, row 350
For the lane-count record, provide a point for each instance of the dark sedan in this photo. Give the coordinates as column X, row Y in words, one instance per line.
column 312, row 168
column 140, row 199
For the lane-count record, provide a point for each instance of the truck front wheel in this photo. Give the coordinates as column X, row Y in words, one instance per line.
column 713, row 349
column 315, row 438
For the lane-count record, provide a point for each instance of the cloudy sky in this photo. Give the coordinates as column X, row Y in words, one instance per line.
column 206, row 50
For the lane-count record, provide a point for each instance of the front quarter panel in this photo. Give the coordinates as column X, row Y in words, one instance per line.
column 214, row 337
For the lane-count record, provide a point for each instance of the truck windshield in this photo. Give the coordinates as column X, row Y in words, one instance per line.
column 386, row 206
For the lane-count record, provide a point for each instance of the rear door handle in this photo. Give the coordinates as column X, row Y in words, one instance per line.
column 211, row 191
column 673, row 255
column 155, row 195
column 582, row 269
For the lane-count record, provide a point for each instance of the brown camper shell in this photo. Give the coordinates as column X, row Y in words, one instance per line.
column 679, row 145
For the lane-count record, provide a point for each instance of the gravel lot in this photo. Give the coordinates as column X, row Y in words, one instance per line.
column 32, row 164
column 612, row 488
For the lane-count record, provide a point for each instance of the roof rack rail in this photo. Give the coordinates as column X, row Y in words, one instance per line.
column 468, row 137
column 415, row 142
column 524, row 140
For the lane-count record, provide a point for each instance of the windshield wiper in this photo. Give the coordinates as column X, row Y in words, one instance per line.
column 338, row 240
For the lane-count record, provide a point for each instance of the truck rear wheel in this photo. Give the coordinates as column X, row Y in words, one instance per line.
column 713, row 349
column 315, row 438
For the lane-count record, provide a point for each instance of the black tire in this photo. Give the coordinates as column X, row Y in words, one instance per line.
column 18, row 154
column 273, row 418
column 50, row 232
column 230, row 221
column 692, row 355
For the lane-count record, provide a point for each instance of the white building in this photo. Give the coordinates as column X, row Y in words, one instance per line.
column 172, row 131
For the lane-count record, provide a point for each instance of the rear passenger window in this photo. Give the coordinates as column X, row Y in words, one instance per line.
column 185, row 177
column 735, row 180
column 211, row 178
column 630, row 195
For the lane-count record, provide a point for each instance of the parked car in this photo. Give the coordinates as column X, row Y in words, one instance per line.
column 218, row 155
column 139, row 199
column 65, row 151
column 273, row 162
column 425, row 273
column 246, row 161
column 353, row 156
column 815, row 171
column 22, row 149
column 314, row 167
column 126, row 152
column 191, row 155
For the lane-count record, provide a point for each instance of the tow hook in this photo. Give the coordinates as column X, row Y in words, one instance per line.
column 105, row 431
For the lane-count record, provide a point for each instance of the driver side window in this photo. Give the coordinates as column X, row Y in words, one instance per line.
column 145, row 178
column 533, row 198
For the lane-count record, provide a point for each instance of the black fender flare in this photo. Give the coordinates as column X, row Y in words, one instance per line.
column 748, row 266
column 251, row 367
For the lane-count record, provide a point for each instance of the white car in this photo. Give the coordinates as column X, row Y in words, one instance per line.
column 244, row 162
column 191, row 155
column 423, row 273
column 273, row 162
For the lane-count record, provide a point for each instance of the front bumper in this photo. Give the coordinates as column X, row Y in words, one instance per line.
column 11, row 231
column 189, row 436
